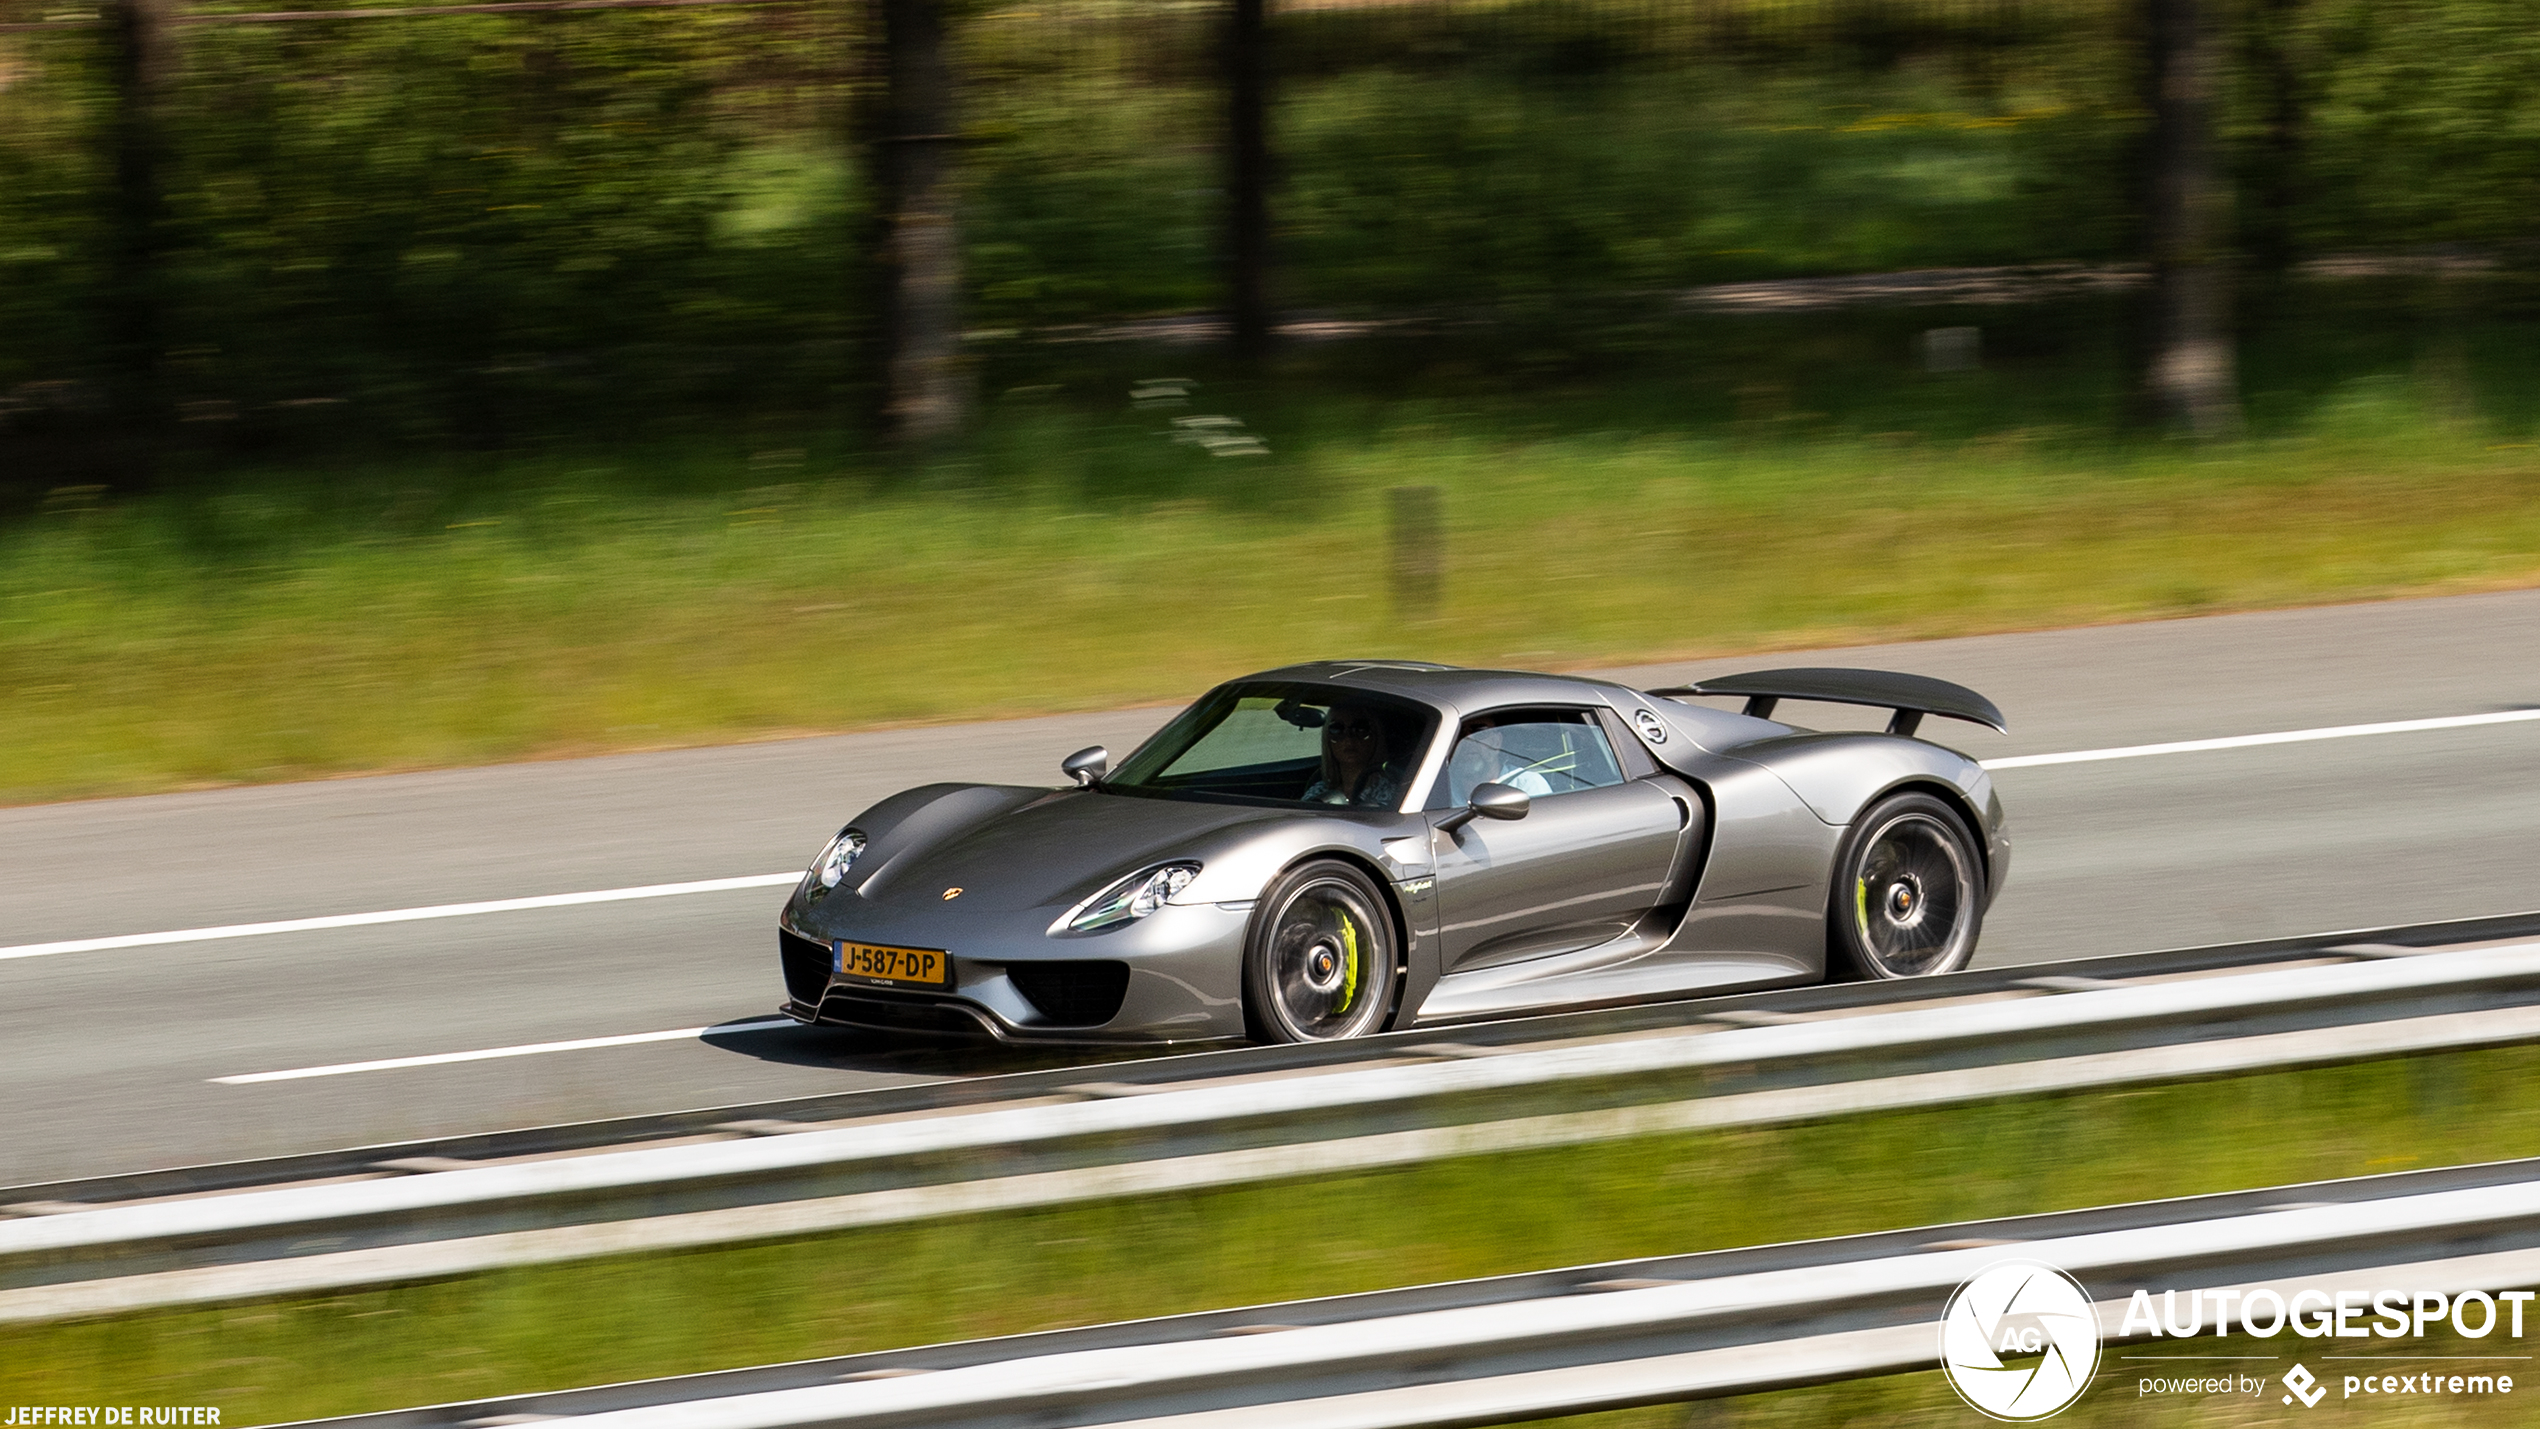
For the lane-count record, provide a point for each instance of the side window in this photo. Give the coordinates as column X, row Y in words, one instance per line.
column 1543, row 752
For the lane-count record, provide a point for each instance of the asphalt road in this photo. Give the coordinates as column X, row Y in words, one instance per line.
column 108, row 1055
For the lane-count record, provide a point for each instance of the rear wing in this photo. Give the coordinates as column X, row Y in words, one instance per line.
column 1911, row 696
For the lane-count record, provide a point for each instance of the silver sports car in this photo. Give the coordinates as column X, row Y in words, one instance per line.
column 1334, row 849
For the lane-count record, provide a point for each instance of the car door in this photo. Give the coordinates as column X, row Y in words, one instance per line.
column 1592, row 855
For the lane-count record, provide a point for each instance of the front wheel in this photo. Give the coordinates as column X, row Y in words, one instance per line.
column 1908, row 894
column 1319, row 958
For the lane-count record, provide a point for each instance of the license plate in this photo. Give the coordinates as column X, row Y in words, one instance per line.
column 902, row 967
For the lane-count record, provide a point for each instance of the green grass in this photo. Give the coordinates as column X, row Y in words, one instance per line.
column 399, row 616
column 600, row 1321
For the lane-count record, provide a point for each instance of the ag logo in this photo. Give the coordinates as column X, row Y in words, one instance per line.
column 2019, row 1341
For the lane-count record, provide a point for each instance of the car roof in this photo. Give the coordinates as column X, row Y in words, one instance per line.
column 1446, row 686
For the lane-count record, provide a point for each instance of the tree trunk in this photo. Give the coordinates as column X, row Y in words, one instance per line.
column 135, row 285
column 926, row 385
column 2190, row 381
column 2271, row 58
column 1247, row 238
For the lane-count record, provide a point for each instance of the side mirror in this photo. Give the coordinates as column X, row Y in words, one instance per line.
column 1087, row 766
column 1490, row 801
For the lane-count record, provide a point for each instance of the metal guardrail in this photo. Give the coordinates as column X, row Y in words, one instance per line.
column 1736, row 1067
column 1601, row 1336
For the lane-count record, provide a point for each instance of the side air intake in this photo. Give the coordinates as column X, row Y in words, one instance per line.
column 806, row 967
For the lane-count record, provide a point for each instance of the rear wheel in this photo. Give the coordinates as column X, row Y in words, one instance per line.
column 1319, row 958
column 1908, row 896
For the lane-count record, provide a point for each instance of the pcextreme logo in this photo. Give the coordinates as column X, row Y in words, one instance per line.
column 2019, row 1341
column 2305, row 1386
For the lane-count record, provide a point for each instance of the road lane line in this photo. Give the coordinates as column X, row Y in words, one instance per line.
column 676, row 1034
column 2251, row 741
column 399, row 915
column 772, row 880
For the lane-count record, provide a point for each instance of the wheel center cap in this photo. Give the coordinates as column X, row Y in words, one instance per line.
column 1323, row 967
column 1904, row 900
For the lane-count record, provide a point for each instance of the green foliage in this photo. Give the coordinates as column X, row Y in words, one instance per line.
column 1466, row 191
column 2427, row 122
column 493, row 204
column 51, row 173
column 503, row 212
column 483, row 231
column 1084, row 201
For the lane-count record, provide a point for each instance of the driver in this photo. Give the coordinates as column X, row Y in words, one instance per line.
column 1354, row 754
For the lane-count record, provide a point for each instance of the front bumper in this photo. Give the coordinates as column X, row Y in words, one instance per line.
column 1174, row 976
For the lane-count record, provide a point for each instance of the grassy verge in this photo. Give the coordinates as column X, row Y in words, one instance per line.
column 555, row 1326
column 405, row 617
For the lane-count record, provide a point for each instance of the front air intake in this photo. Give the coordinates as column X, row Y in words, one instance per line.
column 806, row 967
column 1085, row 994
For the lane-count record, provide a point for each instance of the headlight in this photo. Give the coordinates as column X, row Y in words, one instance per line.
column 838, row 857
column 1133, row 897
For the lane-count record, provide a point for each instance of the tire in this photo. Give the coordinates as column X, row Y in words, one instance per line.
column 1908, row 895
column 1320, row 957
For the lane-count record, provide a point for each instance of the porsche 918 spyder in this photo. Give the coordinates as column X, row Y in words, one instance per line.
column 1334, row 849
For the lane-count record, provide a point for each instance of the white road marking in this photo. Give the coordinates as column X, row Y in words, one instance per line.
column 398, row 915
column 676, row 1034
column 2250, row 741
column 772, row 880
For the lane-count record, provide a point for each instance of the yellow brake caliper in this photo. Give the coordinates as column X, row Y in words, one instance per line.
column 1349, row 973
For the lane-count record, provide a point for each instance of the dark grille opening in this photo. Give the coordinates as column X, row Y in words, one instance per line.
column 806, row 967
column 1072, row 994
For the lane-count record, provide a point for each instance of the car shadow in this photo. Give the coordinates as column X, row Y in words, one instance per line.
column 851, row 1049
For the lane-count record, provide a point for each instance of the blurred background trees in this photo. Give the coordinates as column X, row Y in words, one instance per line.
column 463, row 230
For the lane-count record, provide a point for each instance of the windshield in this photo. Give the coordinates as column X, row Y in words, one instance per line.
column 1286, row 744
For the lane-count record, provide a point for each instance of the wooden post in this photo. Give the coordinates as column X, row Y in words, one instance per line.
column 2191, row 379
column 926, row 384
column 1417, row 522
column 1247, row 159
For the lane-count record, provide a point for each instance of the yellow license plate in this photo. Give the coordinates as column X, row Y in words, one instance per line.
column 908, row 967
